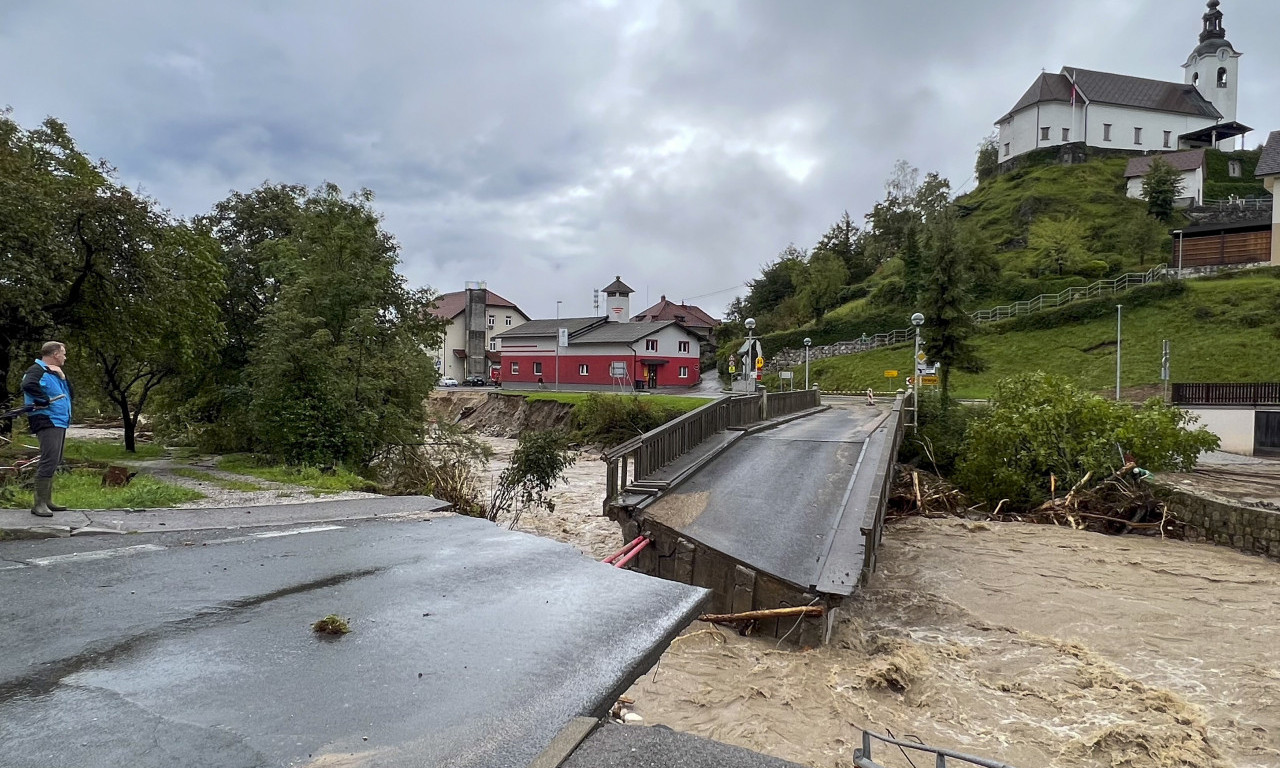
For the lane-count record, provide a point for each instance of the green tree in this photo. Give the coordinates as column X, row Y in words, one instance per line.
column 820, row 283
column 776, row 283
column 1058, row 244
column 843, row 240
column 949, row 267
column 1141, row 235
column 1040, row 426
column 537, row 464
column 1161, row 188
column 988, row 161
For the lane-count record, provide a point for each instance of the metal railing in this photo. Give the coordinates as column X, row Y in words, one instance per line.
column 790, row 357
column 1225, row 394
column 786, row 403
column 1241, row 203
column 862, row 756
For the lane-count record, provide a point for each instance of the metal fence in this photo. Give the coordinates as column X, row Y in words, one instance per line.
column 789, row 357
column 1226, row 394
column 862, row 756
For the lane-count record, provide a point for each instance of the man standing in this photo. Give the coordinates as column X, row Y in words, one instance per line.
column 45, row 386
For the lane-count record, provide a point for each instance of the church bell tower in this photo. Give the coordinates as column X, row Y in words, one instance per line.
column 1213, row 68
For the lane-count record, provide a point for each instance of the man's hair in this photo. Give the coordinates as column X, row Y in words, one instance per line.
column 51, row 348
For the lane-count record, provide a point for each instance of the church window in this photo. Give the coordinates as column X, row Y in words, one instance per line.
column 1233, row 168
column 1195, row 79
column 1106, row 131
column 1006, row 149
column 1044, row 134
column 1066, row 134
column 1168, row 137
column 1222, row 77
column 1137, row 135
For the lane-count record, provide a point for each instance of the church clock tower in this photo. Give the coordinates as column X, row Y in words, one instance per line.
column 1213, row 67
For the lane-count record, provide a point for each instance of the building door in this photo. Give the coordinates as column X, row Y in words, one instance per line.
column 1266, row 433
column 652, row 375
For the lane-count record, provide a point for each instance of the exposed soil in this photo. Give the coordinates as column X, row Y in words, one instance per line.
column 493, row 414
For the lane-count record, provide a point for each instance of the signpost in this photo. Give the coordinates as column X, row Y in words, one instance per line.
column 891, row 374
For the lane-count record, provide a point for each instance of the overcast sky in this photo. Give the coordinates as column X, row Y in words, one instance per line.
column 545, row 147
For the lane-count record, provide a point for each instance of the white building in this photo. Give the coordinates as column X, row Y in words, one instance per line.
column 1189, row 164
column 1101, row 109
column 474, row 316
column 1269, row 171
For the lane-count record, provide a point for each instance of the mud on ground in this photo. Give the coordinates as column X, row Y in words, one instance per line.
column 490, row 413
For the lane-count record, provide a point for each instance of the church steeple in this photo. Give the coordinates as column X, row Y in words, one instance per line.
column 1213, row 29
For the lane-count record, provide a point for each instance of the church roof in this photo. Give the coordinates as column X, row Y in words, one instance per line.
column 1269, row 163
column 1117, row 90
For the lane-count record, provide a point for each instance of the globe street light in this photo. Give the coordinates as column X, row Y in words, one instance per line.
column 917, row 320
column 807, row 342
column 747, row 368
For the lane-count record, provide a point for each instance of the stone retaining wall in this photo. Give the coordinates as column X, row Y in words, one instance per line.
column 1247, row 529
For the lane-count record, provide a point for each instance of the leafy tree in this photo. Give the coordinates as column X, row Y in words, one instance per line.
column 949, row 259
column 1161, row 187
column 821, row 281
column 843, row 240
column 1058, row 244
column 538, row 463
column 1141, row 235
column 908, row 203
column 1041, row 425
column 777, row 281
column 988, row 161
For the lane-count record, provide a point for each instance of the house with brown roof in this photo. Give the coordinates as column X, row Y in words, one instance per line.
column 474, row 316
column 1269, row 171
column 688, row 315
column 1121, row 112
column 1189, row 164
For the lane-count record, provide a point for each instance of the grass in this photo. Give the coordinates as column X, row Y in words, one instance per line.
column 83, row 489
column 333, row 624
column 310, row 477
column 220, row 482
column 107, row 451
column 1220, row 330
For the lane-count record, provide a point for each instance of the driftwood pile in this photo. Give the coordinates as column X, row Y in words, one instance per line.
column 1119, row 503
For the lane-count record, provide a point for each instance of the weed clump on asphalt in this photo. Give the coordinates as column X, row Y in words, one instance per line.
column 333, row 624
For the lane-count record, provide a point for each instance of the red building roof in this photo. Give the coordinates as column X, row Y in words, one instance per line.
column 450, row 305
column 686, row 314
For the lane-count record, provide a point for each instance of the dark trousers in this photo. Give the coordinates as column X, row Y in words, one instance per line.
column 51, row 439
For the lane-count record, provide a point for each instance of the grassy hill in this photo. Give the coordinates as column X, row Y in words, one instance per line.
column 1224, row 329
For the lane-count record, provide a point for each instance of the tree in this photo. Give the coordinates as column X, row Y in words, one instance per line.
column 1141, row 235
column 949, row 262
column 820, row 283
column 843, row 240
column 988, row 161
column 1058, row 244
column 1161, row 187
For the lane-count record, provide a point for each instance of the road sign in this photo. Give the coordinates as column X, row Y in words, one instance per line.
column 733, row 368
column 910, row 380
column 784, row 374
column 891, row 374
column 563, row 339
column 927, row 380
column 759, row 363
column 921, row 357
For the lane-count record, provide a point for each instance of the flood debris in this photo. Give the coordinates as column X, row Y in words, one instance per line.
column 333, row 624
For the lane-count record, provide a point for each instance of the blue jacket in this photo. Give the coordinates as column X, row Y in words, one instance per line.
column 39, row 387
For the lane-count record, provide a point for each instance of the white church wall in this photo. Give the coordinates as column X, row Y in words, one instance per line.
column 1153, row 124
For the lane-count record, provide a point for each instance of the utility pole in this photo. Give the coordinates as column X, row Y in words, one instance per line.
column 1118, row 342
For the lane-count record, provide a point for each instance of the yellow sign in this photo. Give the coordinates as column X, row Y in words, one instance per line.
column 921, row 356
column 891, row 374
column 733, row 369
column 759, row 363
column 928, row 379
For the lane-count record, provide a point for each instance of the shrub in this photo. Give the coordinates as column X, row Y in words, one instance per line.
column 937, row 445
column 449, row 465
column 610, row 419
column 1040, row 425
column 538, row 463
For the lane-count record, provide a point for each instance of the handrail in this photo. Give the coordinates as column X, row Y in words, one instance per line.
column 862, row 757
column 789, row 357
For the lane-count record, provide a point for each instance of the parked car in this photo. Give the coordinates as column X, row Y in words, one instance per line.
column 475, row 381
column 448, row 381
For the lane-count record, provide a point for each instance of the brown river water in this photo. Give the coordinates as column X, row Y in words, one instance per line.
column 1034, row 645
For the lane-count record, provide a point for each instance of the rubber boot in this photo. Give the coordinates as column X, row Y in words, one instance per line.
column 44, row 486
column 48, row 500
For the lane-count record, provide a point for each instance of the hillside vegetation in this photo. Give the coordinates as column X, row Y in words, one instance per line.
column 1224, row 329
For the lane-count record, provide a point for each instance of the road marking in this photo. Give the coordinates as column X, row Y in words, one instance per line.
column 13, row 567
column 312, row 529
column 101, row 554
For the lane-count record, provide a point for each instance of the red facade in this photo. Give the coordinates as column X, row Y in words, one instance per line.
column 653, row 369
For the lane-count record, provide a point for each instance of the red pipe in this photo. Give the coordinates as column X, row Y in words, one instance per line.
column 625, row 549
column 644, row 543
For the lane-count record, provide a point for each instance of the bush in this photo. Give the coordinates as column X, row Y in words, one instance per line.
column 1041, row 426
column 449, row 465
column 610, row 419
column 538, row 463
column 937, row 445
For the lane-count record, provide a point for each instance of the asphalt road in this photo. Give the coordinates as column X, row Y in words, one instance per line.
column 470, row 646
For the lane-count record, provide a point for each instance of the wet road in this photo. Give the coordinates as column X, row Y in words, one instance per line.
column 471, row 646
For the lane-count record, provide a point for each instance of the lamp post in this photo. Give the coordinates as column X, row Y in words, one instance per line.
column 747, row 367
column 1118, row 309
column 807, row 342
column 917, row 320
column 1178, row 232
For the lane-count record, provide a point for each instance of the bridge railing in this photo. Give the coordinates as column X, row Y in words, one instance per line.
column 862, row 756
column 786, row 403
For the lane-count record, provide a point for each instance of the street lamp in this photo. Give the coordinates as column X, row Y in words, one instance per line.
column 1178, row 232
column 917, row 320
column 747, row 368
column 807, row 342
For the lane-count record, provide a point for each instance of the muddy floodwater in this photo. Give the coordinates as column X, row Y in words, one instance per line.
column 1035, row 645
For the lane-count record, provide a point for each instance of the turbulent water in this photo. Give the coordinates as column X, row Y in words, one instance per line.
column 1034, row 645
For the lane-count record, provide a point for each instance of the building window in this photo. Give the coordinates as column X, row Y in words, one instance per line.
column 515, row 368
column 493, row 345
column 1106, row 131
column 1234, row 169
column 582, row 369
column 1195, row 79
column 492, row 320
column 684, row 346
column 508, row 319
column 1066, row 134
column 1044, row 134
column 537, row 369
column 1137, row 135
column 1168, row 137
column 1006, row 149
column 684, row 371
column 1222, row 77
column 650, row 345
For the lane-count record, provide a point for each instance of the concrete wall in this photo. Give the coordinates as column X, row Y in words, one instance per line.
column 1256, row 531
column 1233, row 426
column 1087, row 124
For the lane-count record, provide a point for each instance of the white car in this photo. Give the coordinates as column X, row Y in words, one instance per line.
column 448, row 381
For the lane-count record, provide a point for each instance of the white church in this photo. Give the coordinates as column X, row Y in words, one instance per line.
column 1101, row 109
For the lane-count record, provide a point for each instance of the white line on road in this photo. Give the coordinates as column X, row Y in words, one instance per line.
column 100, row 554
column 312, row 529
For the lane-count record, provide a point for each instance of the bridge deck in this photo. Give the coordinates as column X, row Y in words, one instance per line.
column 777, row 500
